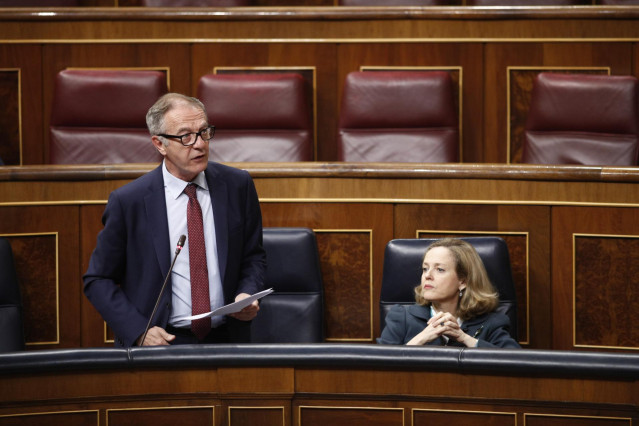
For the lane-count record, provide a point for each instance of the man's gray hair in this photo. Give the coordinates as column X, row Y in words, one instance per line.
column 155, row 115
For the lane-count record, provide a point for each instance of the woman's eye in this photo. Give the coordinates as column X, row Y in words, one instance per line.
column 440, row 269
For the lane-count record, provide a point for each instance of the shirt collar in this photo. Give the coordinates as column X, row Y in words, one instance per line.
column 176, row 186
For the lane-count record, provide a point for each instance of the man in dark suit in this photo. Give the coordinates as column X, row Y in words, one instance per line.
column 143, row 221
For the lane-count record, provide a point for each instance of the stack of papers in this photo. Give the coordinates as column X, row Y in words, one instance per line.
column 231, row 308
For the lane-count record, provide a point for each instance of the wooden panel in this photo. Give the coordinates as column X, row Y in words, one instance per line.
column 10, row 116
column 608, row 270
column 26, row 58
column 40, row 232
column 448, row 23
column 253, row 380
column 160, row 416
column 346, row 234
column 455, row 418
column 107, row 385
column 435, row 386
column 565, row 420
column 349, row 416
column 320, row 57
column 353, row 56
column 63, row 418
column 345, row 260
column 606, row 300
column 526, row 230
column 266, row 416
column 36, row 263
column 57, row 57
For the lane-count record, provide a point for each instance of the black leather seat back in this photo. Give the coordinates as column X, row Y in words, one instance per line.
column 10, row 302
column 294, row 312
column 402, row 273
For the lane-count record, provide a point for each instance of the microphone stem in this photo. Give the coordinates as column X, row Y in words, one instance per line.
column 157, row 302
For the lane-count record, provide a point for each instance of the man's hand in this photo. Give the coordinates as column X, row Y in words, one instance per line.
column 249, row 312
column 156, row 336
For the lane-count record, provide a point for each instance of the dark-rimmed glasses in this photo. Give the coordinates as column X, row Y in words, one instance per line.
column 189, row 139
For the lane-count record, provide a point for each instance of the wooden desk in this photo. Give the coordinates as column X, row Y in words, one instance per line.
column 304, row 385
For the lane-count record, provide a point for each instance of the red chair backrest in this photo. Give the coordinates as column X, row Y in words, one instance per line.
column 582, row 119
column 99, row 116
column 258, row 116
column 398, row 116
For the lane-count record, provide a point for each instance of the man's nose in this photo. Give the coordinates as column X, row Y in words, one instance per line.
column 199, row 142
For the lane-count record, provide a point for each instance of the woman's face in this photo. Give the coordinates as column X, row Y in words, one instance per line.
column 440, row 282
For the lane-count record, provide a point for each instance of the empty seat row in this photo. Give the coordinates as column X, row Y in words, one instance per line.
column 385, row 116
column 99, row 116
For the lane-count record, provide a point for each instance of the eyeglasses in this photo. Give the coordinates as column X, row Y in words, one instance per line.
column 189, row 139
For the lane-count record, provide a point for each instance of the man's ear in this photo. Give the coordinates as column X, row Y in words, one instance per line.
column 157, row 143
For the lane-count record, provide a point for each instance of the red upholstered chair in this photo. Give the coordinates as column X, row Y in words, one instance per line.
column 258, row 117
column 398, row 116
column 582, row 119
column 195, row 3
column 98, row 116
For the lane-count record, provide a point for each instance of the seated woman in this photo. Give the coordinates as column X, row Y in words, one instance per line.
column 455, row 303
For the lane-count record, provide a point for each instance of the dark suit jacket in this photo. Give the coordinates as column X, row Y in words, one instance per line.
column 403, row 322
column 132, row 255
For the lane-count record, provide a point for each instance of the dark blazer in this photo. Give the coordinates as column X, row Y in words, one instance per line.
column 403, row 322
column 132, row 254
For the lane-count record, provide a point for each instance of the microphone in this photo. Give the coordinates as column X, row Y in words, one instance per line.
column 178, row 249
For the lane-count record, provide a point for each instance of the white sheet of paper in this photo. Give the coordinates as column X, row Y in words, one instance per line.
column 231, row 308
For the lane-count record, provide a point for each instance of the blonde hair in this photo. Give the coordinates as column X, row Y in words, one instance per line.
column 479, row 296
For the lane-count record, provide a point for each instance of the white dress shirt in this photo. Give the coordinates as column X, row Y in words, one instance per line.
column 176, row 204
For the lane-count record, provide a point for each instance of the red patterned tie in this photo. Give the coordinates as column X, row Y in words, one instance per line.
column 200, row 301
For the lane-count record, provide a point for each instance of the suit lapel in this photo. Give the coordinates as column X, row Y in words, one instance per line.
column 156, row 216
column 219, row 197
column 422, row 312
